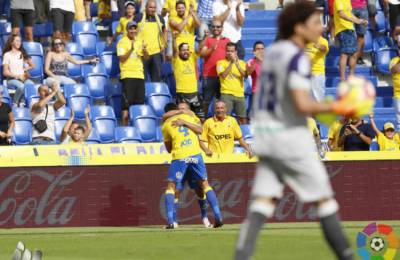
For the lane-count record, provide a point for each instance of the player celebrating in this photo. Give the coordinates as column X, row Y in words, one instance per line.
column 180, row 139
column 282, row 141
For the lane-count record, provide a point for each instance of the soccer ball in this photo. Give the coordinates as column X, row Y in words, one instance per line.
column 358, row 91
column 377, row 244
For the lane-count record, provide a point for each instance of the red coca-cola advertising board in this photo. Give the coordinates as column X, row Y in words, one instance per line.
column 133, row 195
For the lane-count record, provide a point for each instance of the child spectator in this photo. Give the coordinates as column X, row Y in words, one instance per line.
column 130, row 12
column 389, row 140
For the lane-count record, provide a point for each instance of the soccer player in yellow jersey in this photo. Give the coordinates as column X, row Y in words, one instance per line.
column 131, row 54
column 395, row 70
column 180, row 139
column 231, row 72
column 184, row 63
column 130, row 11
column 344, row 21
column 221, row 131
column 389, row 140
column 317, row 52
column 184, row 24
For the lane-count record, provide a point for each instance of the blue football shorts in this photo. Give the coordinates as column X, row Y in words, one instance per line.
column 192, row 166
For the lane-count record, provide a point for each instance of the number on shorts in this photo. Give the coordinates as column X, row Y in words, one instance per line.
column 183, row 130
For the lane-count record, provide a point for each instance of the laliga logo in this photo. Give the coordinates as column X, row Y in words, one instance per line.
column 377, row 241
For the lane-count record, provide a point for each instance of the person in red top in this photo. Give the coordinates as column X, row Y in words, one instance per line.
column 212, row 49
column 253, row 67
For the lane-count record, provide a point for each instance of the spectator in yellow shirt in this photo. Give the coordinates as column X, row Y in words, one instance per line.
column 344, row 21
column 231, row 72
column 184, row 24
column 221, row 131
column 184, row 63
column 395, row 70
column 130, row 11
column 312, row 125
column 389, row 140
column 131, row 53
column 317, row 54
column 334, row 134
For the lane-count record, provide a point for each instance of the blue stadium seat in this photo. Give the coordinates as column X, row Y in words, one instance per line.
column 127, row 134
column 61, row 118
column 35, row 50
column 374, row 146
column 63, row 112
column 383, row 42
column 5, row 32
column 262, row 14
column 86, row 35
column 381, row 22
column 96, row 79
column 111, row 62
column 104, row 121
column 259, row 31
column 43, row 29
column 259, row 23
column 78, row 98
column 167, row 76
column 31, row 94
column 22, row 132
column 332, row 60
column 75, row 50
column 158, row 95
column 100, row 47
column 114, row 98
column 143, row 118
column 6, row 96
column 160, row 137
column 93, row 137
column 382, row 59
column 157, row 88
column 93, row 9
column 368, row 37
column 384, row 91
column 246, row 133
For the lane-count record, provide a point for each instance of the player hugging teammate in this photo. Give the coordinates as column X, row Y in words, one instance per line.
column 180, row 130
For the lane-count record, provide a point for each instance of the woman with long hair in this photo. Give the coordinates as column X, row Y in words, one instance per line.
column 56, row 64
column 16, row 66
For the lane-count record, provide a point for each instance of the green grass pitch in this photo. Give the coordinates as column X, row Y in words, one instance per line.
column 281, row 241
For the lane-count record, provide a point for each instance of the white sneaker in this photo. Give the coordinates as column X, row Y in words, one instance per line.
column 206, row 223
column 176, row 225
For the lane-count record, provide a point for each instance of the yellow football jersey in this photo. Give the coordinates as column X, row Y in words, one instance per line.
column 185, row 74
column 395, row 78
column 133, row 66
column 221, row 135
column 185, row 142
column 317, row 57
column 123, row 21
column 233, row 83
column 386, row 144
column 340, row 23
column 334, row 134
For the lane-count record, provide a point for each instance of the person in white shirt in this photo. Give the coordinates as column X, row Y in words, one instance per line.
column 43, row 115
column 231, row 13
column 62, row 13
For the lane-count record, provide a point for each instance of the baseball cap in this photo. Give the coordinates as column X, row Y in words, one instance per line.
column 130, row 24
column 129, row 3
column 388, row 125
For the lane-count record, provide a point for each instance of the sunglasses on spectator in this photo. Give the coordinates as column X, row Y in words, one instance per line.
column 58, row 43
column 216, row 26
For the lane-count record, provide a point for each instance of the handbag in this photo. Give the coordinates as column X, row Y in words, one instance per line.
column 41, row 125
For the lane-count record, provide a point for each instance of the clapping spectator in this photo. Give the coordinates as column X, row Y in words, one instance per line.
column 231, row 13
column 23, row 12
column 317, row 52
column 389, row 140
column 43, row 114
column 6, row 121
column 14, row 69
column 132, row 54
column 221, row 131
column 75, row 133
column 254, row 67
column 231, row 72
column 356, row 136
column 151, row 29
column 183, row 25
column 212, row 49
column 130, row 12
column 56, row 64
column 62, row 13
